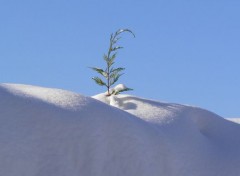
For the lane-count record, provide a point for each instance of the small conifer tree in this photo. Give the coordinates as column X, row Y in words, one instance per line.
column 110, row 73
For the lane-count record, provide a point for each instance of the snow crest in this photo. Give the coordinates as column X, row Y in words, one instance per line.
column 48, row 132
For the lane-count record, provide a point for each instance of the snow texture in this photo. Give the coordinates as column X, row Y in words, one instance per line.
column 52, row 132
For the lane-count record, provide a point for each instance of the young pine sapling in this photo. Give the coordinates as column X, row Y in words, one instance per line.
column 110, row 73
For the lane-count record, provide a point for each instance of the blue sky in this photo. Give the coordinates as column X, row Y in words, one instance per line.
column 184, row 51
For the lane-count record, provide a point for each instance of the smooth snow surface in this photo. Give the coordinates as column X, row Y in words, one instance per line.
column 236, row 120
column 52, row 132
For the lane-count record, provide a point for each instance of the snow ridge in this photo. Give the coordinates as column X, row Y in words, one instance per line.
column 48, row 132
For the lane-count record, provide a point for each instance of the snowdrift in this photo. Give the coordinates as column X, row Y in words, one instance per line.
column 52, row 132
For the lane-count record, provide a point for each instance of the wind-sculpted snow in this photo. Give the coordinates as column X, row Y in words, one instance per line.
column 200, row 142
column 56, row 97
column 52, row 132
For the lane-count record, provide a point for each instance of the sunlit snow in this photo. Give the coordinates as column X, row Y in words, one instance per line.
column 52, row 132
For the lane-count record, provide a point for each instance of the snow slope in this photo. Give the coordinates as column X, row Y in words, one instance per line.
column 236, row 120
column 52, row 132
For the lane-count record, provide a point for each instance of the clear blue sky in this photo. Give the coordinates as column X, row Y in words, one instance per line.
column 184, row 51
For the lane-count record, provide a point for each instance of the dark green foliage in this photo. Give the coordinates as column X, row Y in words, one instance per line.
column 118, row 92
column 111, row 74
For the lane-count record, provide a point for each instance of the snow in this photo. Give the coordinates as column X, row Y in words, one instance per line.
column 236, row 120
column 49, row 132
column 120, row 87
